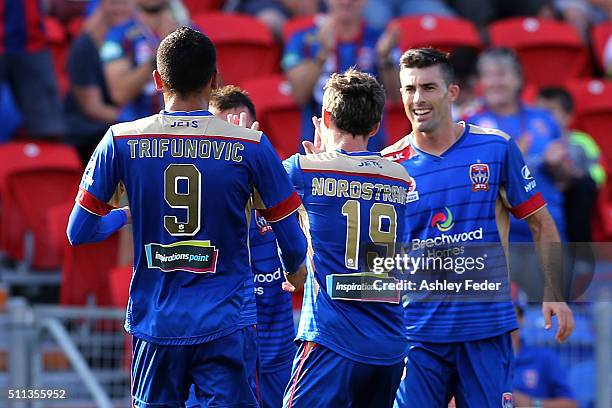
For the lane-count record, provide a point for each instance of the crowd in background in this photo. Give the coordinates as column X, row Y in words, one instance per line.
column 112, row 55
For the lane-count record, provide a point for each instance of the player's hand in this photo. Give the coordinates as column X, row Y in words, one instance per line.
column 317, row 146
column 295, row 281
column 565, row 318
column 240, row 120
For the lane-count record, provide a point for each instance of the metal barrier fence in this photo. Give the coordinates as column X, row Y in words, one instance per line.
column 78, row 351
column 82, row 350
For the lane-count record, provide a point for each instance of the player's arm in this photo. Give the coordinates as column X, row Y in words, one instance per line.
column 92, row 219
column 277, row 201
column 292, row 247
column 548, row 246
column 525, row 203
column 85, row 227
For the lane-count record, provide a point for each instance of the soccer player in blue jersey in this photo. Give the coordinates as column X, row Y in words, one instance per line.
column 468, row 180
column 275, row 329
column 351, row 333
column 189, row 178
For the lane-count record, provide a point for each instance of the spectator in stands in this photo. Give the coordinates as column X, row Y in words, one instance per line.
column 339, row 40
column 128, row 55
column 583, row 158
column 275, row 13
column 581, row 13
column 378, row 12
column 539, row 380
column 586, row 175
column 539, row 138
column 26, row 64
column 534, row 129
column 88, row 107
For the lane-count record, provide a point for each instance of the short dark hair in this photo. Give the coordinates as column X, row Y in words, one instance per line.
column 429, row 57
column 186, row 61
column 355, row 101
column 231, row 97
column 559, row 95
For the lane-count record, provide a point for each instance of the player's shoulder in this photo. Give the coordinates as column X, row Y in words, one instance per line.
column 399, row 151
column 366, row 164
column 209, row 125
column 219, row 127
column 489, row 132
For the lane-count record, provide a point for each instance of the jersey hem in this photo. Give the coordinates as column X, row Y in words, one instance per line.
column 371, row 360
column 189, row 341
column 466, row 338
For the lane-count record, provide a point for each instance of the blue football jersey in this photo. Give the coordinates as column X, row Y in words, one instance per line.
column 465, row 197
column 189, row 177
column 275, row 328
column 351, row 201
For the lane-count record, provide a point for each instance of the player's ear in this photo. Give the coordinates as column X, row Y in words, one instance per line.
column 374, row 129
column 159, row 86
column 453, row 92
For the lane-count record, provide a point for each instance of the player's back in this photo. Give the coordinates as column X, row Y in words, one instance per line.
column 352, row 200
column 189, row 177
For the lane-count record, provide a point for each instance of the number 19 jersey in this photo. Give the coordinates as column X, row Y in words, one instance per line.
column 189, row 177
column 351, row 200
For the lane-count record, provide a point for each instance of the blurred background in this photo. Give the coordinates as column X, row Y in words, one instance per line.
column 538, row 69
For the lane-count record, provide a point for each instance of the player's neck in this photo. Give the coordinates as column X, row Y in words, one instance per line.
column 173, row 103
column 439, row 140
column 349, row 143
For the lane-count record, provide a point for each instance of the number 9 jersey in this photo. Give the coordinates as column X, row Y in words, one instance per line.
column 355, row 204
column 189, row 177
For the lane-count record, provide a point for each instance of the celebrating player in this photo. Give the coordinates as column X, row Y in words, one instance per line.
column 468, row 179
column 275, row 330
column 352, row 339
column 189, row 177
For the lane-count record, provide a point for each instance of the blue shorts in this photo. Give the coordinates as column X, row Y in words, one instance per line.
column 270, row 389
column 321, row 378
column 221, row 371
column 272, row 386
column 477, row 373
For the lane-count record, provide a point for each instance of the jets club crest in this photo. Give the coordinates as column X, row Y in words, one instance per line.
column 479, row 174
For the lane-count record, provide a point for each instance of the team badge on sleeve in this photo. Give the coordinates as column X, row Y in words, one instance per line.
column 479, row 174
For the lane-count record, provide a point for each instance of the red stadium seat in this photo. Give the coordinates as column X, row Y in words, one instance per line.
column 593, row 114
column 24, row 156
column 85, row 268
column 601, row 34
column 59, row 45
column 445, row 33
column 246, row 47
column 198, row 6
column 29, row 195
column 551, row 52
column 398, row 124
column 277, row 112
